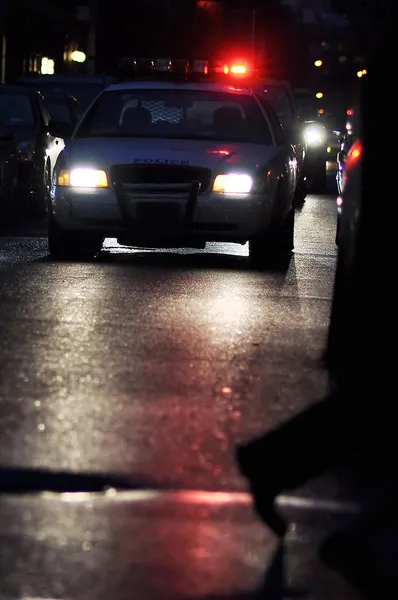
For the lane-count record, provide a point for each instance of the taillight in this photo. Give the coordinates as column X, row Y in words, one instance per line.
column 354, row 155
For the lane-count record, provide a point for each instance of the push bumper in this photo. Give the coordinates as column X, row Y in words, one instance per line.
column 142, row 211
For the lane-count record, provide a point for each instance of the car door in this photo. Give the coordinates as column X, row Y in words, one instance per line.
column 53, row 145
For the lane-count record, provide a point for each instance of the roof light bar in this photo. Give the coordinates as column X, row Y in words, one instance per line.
column 180, row 65
column 200, row 66
column 163, row 65
column 183, row 67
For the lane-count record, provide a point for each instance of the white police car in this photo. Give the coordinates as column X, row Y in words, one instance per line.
column 175, row 162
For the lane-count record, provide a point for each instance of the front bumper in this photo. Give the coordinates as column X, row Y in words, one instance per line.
column 144, row 214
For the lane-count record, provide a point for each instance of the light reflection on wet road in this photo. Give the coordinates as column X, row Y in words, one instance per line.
column 155, row 364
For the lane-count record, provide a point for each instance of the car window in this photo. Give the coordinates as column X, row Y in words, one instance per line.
column 60, row 110
column 191, row 114
column 44, row 111
column 16, row 110
column 84, row 93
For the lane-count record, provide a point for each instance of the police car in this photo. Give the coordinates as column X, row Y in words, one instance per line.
column 180, row 155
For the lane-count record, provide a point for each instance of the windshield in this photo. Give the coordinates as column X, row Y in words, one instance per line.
column 279, row 100
column 16, row 110
column 178, row 114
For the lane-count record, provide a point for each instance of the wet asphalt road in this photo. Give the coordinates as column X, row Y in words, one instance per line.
column 155, row 364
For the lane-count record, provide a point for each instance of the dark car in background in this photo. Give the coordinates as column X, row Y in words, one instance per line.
column 26, row 119
column 316, row 138
column 84, row 88
column 279, row 95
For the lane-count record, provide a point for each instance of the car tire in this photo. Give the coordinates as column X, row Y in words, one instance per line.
column 71, row 245
column 275, row 246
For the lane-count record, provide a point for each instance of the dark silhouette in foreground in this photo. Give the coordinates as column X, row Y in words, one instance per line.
column 355, row 427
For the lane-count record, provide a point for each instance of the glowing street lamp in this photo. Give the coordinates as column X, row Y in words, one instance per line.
column 47, row 66
column 78, row 56
column 319, row 95
column 318, row 63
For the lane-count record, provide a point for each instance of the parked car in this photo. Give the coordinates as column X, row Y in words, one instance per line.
column 316, row 137
column 24, row 113
column 84, row 88
column 8, row 169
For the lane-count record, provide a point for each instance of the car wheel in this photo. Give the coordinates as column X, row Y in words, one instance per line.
column 275, row 245
column 71, row 245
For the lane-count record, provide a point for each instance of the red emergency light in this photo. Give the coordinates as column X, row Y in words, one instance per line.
column 238, row 69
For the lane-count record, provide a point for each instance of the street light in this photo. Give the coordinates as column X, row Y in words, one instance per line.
column 78, row 56
column 318, row 63
column 47, row 66
column 319, row 95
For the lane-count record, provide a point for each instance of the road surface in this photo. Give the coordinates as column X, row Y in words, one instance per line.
column 152, row 366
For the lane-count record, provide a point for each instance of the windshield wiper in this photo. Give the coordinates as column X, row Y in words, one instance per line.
column 14, row 480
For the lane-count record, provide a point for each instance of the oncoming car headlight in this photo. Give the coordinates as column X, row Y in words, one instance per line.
column 83, row 178
column 233, row 183
column 315, row 135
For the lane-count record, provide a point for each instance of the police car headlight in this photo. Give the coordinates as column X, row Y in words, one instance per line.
column 315, row 135
column 83, row 178
column 232, row 183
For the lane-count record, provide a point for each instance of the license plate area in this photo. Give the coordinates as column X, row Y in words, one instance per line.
column 158, row 214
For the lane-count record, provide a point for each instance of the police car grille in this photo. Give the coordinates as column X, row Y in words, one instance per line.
column 158, row 174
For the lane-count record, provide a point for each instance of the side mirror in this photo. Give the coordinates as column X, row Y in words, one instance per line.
column 59, row 129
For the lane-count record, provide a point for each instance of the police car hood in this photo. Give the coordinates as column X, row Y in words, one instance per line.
column 105, row 152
